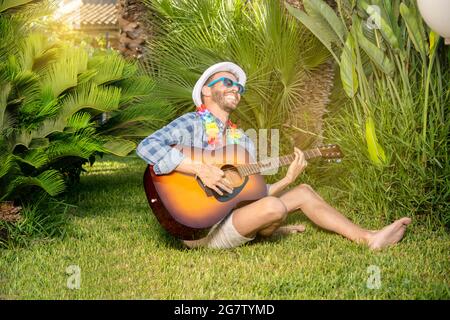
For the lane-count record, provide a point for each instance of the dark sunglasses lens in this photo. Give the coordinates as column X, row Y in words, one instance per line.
column 227, row 82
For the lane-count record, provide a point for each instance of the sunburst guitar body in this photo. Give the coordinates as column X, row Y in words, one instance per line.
column 187, row 209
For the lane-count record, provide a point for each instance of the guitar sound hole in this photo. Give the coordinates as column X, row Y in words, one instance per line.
column 232, row 175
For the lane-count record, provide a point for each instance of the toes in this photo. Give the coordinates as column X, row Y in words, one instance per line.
column 298, row 228
column 405, row 220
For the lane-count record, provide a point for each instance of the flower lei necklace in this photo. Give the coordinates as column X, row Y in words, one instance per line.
column 233, row 134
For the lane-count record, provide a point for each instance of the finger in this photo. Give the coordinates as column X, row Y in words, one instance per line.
column 301, row 155
column 217, row 190
column 220, row 172
column 224, row 187
column 304, row 165
column 227, row 182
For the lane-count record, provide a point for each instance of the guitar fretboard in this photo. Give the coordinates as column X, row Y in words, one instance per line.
column 273, row 163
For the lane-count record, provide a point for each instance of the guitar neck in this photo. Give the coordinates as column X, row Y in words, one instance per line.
column 274, row 163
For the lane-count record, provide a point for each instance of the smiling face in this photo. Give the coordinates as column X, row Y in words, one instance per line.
column 226, row 98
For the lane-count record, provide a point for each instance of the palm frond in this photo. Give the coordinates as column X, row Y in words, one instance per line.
column 74, row 146
column 35, row 158
column 79, row 121
column 117, row 146
column 110, row 68
column 33, row 47
column 152, row 113
column 51, row 181
column 135, row 88
column 6, row 164
column 5, row 89
column 63, row 74
column 8, row 4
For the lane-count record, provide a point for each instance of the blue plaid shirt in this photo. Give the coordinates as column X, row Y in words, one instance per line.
column 187, row 130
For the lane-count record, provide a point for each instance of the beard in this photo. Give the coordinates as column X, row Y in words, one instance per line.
column 225, row 104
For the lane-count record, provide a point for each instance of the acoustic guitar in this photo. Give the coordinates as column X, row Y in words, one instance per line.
column 187, row 209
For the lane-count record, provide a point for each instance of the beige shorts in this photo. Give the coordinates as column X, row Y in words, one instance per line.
column 223, row 235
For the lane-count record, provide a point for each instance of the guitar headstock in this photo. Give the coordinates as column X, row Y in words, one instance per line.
column 331, row 152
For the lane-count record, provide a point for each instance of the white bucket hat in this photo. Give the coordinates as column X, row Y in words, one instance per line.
column 218, row 67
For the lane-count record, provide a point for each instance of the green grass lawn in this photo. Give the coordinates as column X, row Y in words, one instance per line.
column 123, row 253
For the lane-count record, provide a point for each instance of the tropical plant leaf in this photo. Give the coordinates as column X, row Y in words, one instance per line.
column 7, row 162
column 322, row 31
column 8, row 4
column 63, row 74
column 39, row 143
column 79, row 121
column 86, row 76
column 434, row 40
column 376, row 152
column 110, row 67
column 92, row 97
column 153, row 113
column 388, row 23
column 376, row 55
column 347, row 66
column 321, row 8
column 135, row 88
column 51, row 181
column 35, row 158
column 74, row 146
column 5, row 89
column 118, row 147
column 415, row 29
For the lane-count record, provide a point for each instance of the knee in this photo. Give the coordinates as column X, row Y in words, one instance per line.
column 274, row 209
column 304, row 191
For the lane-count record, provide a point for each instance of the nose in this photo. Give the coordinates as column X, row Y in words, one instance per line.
column 235, row 89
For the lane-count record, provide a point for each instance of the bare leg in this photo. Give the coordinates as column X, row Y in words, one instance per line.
column 322, row 214
column 260, row 217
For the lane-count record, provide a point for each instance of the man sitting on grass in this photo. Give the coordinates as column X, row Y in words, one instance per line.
column 216, row 95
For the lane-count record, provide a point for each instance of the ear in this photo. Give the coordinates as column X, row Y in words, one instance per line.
column 206, row 91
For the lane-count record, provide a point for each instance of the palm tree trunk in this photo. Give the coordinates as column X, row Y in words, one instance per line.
column 307, row 120
column 133, row 32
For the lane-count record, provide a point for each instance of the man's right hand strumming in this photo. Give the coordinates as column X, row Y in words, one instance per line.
column 214, row 178
column 210, row 175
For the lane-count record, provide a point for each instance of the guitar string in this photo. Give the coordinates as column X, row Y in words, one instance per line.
column 250, row 169
column 280, row 160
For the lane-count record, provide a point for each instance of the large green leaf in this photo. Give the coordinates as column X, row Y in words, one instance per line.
column 376, row 152
column 63, row 74
column 320, row 8
column 376, row 55
column 119, row 147
column 35, row 158
column 5, row 89
column 415, row 28
column 8, row 4
column 110, row 67
column 347, row 66
column 81, row 146
column 7, row 161
column 51, row 181
column 388, row 25
column 94, row 98
column 322, row 31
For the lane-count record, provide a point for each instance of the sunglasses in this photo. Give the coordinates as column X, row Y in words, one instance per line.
column 228, row 83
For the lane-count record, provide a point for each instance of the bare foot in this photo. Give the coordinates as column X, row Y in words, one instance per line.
column 290, row 229
column 389, row 235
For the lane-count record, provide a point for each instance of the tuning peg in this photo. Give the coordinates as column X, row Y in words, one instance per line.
column 338, row 160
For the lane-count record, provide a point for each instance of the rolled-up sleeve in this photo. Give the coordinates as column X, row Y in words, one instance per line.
column 156, row 149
